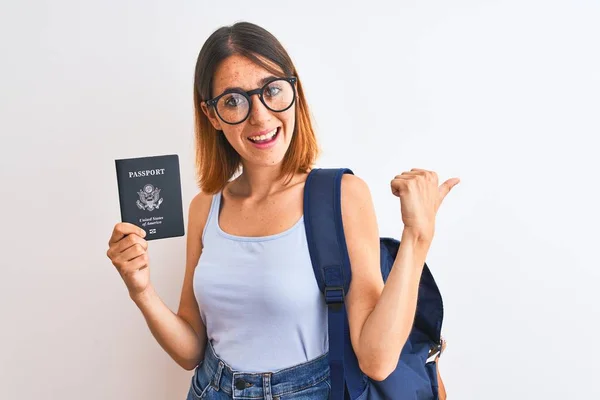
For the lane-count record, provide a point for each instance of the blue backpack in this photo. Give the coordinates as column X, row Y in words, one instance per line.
column 415, row 378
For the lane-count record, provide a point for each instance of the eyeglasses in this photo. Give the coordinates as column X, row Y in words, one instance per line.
column 233, row 106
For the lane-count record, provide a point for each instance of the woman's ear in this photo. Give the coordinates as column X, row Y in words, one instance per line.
column 210, row 114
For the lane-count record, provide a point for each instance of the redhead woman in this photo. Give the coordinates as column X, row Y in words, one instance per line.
column 252, row 323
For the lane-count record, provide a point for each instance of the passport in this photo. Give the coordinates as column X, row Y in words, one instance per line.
column 150, row 194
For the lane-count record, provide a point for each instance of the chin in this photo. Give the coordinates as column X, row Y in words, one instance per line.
column 268, row 163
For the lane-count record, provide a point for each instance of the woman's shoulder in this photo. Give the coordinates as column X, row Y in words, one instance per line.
column 355, row 187
column 199, row 210
column 201, row 200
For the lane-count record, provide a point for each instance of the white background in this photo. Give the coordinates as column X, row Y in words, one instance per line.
column 504, row 95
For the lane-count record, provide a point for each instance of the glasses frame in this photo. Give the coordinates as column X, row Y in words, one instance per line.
column 248, row 95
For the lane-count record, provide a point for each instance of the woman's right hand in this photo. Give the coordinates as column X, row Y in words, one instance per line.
column 127, row 251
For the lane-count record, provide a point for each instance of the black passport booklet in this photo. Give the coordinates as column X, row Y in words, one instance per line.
column 150, row 195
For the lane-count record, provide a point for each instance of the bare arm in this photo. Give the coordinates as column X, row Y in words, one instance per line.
column 380, row 316
column 182, row 335
column 387, row 327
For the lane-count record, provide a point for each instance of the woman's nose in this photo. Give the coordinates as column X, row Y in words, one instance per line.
column 258, row 111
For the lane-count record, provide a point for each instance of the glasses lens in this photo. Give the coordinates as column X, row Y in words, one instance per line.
column 233, row 107
column 278, row 95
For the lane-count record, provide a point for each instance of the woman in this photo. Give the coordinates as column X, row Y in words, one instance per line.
column 251, row 320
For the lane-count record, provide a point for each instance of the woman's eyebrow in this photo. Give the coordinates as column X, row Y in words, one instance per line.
column 260, row 83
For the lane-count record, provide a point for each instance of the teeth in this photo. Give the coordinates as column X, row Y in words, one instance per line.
column 264, row 137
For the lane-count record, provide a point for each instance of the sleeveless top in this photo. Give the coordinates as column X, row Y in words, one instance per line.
column 259, row 298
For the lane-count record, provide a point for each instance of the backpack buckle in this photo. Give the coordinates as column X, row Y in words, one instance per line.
column 334, row 297
column 436, row 351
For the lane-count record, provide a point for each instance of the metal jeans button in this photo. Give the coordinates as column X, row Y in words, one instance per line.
column 241, row 384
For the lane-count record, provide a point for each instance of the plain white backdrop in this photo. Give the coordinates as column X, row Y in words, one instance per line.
column 503, row 94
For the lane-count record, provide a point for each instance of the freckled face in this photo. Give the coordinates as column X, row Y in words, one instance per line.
column 240, row 72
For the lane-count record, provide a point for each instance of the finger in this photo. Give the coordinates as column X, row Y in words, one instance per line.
column 115, row 249
column 136, row 263
column 129, row 241
column 130, row 254
column 409, row 173
column 402, row 184
column 447, row 186
column 431, row 175
column 123, row 229
column 425, row 172
column 405, row 182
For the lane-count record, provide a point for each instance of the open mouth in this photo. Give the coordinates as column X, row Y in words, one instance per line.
column 266, row 138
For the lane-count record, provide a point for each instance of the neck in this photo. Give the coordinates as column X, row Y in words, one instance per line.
column 258, row 182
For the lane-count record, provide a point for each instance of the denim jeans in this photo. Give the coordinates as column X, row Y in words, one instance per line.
column 215, row 380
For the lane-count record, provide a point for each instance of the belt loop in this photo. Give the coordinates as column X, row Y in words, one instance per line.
column 267, row 386
column 215, row 383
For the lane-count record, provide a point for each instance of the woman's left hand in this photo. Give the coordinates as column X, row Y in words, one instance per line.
column 420, row 198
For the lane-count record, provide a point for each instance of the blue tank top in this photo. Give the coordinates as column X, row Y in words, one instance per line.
column 259, row 298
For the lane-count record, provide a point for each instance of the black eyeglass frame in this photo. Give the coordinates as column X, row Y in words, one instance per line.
column 248, row 95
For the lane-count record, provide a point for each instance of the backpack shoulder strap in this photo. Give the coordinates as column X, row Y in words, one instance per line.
column 331, row 265
column 325, row 232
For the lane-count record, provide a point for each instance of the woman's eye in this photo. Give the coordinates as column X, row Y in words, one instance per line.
column 232, row 101
column 272, row 91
